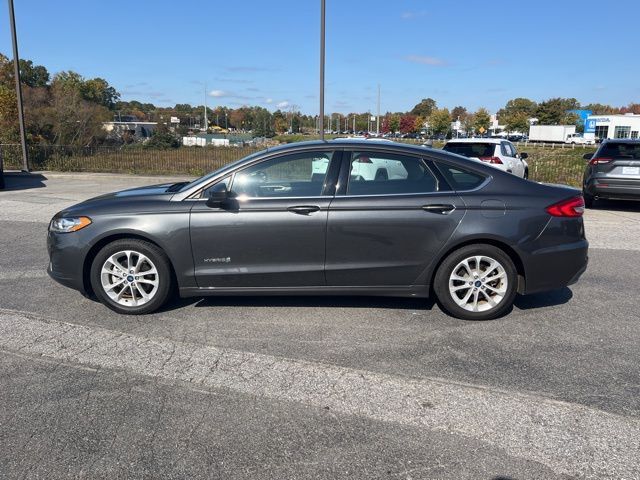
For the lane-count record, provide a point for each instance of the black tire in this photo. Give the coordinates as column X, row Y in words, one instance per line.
column 526, row 174
column 154, row 254
column 589, row 200
column 445, row 270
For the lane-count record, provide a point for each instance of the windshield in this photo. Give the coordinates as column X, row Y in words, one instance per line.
column 220, row 170
column 471, row 149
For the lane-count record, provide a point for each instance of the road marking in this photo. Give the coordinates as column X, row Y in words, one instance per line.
column 570, row 439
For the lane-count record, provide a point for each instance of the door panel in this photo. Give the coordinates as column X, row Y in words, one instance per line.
column 377, row 241
column 260, row 243
column 386, row 231
column 272, row 233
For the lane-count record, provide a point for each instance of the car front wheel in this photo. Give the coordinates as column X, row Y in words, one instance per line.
column 476, row 282
column 131, row 276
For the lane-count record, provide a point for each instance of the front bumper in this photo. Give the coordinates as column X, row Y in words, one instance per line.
column 66, row 260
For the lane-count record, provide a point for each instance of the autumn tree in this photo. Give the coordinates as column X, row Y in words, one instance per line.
column 440, row 121
column 516, row 114
column 424, row 108
column 481, row 120
column 556, row 111
column 458, row 113
column 407, row 123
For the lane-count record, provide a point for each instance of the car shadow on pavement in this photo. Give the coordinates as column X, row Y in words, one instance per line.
column 617, row 205
column 546, row 299
column 22, row 181
column 395, row 303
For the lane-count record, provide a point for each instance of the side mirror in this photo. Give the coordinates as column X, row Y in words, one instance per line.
column 218, row 198
column 588, row 156
column 524, row 155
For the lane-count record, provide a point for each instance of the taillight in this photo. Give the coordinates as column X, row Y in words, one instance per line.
column 598, row 160
column 492, row 160
column 574, row 207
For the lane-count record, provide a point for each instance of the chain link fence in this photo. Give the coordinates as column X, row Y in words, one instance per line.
column 547, row 163
column 184, row 160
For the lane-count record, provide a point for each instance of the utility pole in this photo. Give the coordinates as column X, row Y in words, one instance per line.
column 206, row 121
column 378, row 115
column 16, row 68
column 322, row 36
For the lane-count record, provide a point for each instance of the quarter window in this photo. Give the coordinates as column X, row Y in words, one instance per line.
column 460, row 179
column 295, row 175
column 373, row 173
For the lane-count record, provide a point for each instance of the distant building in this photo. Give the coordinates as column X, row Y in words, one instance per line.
column 137, row 130
column 205, row 139
column 612, row 126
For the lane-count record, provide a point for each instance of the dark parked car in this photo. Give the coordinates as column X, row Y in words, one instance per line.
column 312, row 218
column 613, row 172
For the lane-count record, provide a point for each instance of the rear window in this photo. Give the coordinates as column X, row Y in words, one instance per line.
column 620, row 150
column 471, row 149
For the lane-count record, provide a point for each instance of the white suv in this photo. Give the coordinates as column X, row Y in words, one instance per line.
column 497, row 152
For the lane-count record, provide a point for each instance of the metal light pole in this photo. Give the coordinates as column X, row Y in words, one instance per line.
column 322, row 30
column 378, row 114
column 16, row 67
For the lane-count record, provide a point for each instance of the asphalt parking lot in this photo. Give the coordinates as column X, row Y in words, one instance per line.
column 313, row 387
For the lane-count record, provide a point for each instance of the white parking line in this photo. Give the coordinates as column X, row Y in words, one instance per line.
column 570, row 439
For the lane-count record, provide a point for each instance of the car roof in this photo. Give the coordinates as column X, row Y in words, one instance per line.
column 494, row 141
column 621, row 140
column 360, row 144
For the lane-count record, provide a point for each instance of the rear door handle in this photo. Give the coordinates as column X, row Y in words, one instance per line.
column 442, row 209
column 304, row 209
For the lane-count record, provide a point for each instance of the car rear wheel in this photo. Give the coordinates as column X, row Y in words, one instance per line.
column 131, row 276
column 476, row 282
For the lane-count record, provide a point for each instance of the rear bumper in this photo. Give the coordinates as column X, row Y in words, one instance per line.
column 613, row 188
column 556, row 267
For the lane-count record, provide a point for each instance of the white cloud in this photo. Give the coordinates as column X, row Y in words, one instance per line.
column 269, row 100
column 426, row 60
column 219, row 93
column 282, row 105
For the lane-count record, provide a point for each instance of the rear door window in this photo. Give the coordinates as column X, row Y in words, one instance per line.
column 377, row 173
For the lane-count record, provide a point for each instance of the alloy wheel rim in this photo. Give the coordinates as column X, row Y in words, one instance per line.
column 478, row 283
column 129, row 278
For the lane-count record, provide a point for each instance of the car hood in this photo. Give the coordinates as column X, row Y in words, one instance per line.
column 160, row 189
column 124, row 200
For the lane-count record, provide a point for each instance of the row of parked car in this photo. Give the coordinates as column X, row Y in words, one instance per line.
column 612, row 172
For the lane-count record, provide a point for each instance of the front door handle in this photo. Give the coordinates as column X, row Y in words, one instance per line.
column 442, row 209
column 304, row 209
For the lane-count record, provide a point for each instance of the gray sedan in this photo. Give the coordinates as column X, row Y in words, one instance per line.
column 342, row 217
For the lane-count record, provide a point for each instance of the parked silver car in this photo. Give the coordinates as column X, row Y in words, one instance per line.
column 613, row 172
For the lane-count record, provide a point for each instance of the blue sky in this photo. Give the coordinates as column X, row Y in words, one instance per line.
column 266, row 52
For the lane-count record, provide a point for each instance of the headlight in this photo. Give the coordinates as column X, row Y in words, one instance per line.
column 69, row 224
